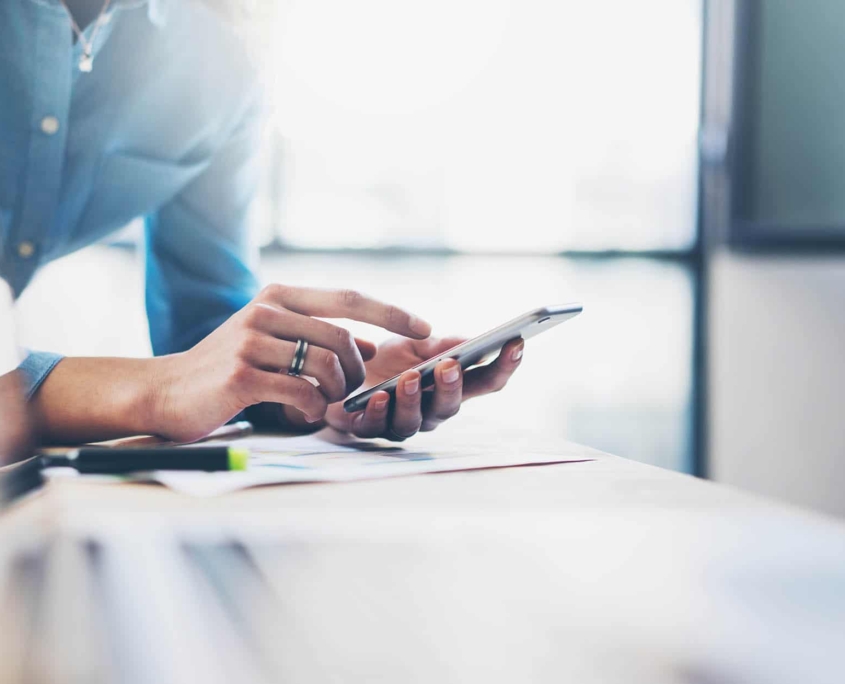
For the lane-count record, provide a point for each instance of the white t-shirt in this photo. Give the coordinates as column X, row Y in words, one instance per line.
column 9, row 353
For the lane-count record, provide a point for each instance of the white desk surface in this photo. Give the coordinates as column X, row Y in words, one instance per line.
column 602, row 571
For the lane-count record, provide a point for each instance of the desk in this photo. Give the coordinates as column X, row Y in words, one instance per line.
column 601, row 571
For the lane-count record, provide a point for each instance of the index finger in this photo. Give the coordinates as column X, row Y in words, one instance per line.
column 348, row 304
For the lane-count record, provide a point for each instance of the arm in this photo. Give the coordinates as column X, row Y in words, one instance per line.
column 198, row 281
column 215, row 356
column 197, row 276
column 186, row 395
column 198, row 252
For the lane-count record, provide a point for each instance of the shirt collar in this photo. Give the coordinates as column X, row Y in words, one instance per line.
column 157, row 10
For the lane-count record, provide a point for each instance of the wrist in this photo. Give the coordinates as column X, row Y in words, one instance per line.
column 153, row 405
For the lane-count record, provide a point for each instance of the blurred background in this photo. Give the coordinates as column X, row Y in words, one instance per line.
column 676, row 165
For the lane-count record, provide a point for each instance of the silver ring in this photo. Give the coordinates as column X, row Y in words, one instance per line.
column 298, row 360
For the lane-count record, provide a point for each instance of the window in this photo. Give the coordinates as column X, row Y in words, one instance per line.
column 788, row 103
column 487, row 125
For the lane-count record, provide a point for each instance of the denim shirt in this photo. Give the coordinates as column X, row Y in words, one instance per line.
column 166, row 127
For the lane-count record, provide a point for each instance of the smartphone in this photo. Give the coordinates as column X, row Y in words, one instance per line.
column 475, row 351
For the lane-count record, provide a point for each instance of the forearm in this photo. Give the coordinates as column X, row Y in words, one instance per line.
column 93, row 399
column 187, row 395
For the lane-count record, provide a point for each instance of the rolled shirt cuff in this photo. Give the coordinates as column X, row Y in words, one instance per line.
column 35, row 369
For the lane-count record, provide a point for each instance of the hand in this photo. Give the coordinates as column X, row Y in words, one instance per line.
column 414, row 408
column 245, row 361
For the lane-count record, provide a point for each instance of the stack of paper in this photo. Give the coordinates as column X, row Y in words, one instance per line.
column 331, row 457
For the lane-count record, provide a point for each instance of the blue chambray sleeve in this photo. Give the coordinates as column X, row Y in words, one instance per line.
column 198, row 248
column 35, row 368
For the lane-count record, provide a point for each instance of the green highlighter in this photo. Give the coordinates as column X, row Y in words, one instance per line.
column 26, row 476
column 124, row 461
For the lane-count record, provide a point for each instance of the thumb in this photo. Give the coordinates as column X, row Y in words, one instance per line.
column 367, row 348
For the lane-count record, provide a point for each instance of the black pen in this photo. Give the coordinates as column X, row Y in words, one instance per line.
column 122, row 461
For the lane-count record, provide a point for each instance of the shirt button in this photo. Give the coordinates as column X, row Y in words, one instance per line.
column 26, row 249
column 49, row 125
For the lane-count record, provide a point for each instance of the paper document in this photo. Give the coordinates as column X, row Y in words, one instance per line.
column 329, row 456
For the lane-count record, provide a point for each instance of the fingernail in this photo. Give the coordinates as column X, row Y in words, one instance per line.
column 451, row 374
column 310, row 419
column 516, row 354
column 380, row 404
column 411, row 386
column 419, row 326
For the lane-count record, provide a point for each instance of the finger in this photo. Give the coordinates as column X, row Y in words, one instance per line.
column 347, row 304
column 494, row 376
column 372, row 421
column 407, row 413
column 273, row 355
column 284, row 389
column 366, row 348
column 448, row 391
column 287, row 325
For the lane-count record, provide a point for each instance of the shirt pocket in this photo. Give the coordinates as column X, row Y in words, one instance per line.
column 129, row 187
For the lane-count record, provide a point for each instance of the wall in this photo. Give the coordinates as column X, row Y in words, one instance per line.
column 777, row 377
